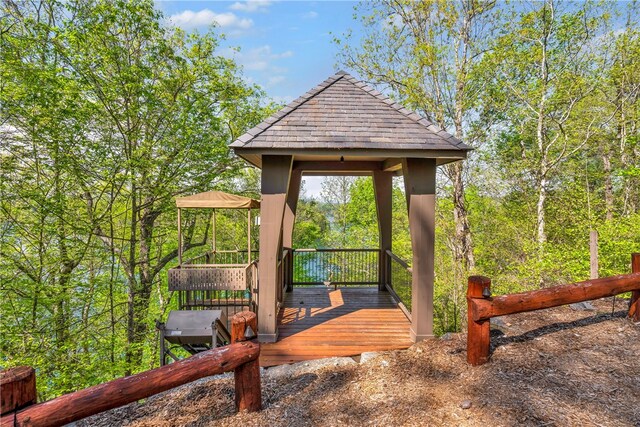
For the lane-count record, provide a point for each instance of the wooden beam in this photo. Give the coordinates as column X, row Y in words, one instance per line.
column 392, row 165
column 337, row 166
column 383, row 187
column 276, row 173
column 420, row 189
column 290, row 209
column 119, row 392
column 338, row 173
column 487, row 308
column 634, row 304
column 17, row 388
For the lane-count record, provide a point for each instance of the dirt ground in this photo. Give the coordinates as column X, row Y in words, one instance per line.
column 556, row 367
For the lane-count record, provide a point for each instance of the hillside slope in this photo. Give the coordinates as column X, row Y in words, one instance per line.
column 553, row 367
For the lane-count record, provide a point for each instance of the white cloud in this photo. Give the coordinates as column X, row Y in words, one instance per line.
column 312, row 14
column 260, row 58
column 274, row 80
column 251, row 6
column 190, row 19
column 262, row 62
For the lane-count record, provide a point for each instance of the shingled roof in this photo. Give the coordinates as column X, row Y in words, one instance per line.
column 344, row 116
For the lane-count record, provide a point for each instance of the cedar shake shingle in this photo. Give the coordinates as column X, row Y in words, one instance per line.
column 343, row 113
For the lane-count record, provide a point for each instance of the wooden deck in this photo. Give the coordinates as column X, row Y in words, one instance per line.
column 318, row 322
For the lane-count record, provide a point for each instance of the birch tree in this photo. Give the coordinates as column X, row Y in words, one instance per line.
column 424, row 53
column 547, row 65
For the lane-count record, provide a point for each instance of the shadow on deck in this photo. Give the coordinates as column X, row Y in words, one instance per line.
column 319, row 322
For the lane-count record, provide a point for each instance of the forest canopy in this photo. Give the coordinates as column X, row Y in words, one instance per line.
column 107, row 114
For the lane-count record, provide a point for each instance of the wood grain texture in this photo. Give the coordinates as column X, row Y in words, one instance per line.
column 102, row 397
column 248, row 388
column 17, row 388
column 318, row 322
column 554, row 296
column 478, row 332
column 240, row 322
column 634, row 304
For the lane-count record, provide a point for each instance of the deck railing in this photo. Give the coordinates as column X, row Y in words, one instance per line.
column 223, row 257
column 400, row 282
column 358, row 267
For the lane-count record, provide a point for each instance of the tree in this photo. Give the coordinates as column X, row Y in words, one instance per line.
column 546, row 68
column 424, row 53
column 107, row 116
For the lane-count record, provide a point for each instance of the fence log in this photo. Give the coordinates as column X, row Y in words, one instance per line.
column 483, row 309
column 240, row 322
column 634, row 304
column 247, row 376
column 17, row 388
column 119, row 392
column 478, row 331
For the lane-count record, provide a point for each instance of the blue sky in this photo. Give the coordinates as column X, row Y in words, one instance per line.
column 286, row 47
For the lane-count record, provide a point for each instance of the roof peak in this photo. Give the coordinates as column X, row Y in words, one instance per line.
column 354, row 116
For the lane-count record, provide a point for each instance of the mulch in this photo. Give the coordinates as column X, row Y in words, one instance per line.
column 555, row 367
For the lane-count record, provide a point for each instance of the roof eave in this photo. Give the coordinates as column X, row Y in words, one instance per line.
column 254, row 155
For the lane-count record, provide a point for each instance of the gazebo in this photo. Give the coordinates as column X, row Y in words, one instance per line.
column 344, row 127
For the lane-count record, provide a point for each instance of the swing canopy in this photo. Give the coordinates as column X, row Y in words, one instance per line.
column 217, row 200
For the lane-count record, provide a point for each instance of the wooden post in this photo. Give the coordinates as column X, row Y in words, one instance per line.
column 478, row 340
column 179, row 236
column 485, row 309
column 247, row 376
column 289, row 220
column 213, row 236
column 276, row 171
column 17, row 388
column 93, row 400
column 240, row 322
column 249, row 236
column 383, row 187
column 634, row 304
column 593, row 252
column 420, row 189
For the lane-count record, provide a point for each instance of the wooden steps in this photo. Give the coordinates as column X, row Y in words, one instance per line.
column 318, row 322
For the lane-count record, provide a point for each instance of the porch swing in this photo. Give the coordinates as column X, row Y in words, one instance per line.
column 211, row 287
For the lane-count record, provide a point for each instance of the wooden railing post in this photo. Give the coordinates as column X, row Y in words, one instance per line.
column 478, row 340
column 634, row 304
column 102, row 397
column 18, row 388
column 247, row 376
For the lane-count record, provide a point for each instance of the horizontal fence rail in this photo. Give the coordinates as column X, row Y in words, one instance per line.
column 400, row 282
column 481, row 307
column 241, row 357
column 357, row 267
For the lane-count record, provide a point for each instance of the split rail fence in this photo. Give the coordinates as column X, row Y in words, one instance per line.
column 18, row 385
column 481, row 307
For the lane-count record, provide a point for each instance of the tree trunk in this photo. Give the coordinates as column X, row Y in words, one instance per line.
column 608, row 186
column 542, row 198
column 463, row 244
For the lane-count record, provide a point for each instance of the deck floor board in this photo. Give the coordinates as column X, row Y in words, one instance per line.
column 317, row 322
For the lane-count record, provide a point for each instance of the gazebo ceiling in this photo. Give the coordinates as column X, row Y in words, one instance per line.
column 344, row 119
